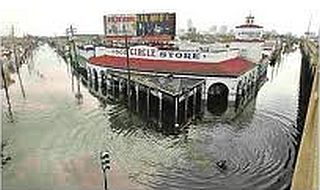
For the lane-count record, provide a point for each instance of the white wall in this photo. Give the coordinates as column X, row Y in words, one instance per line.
column 249, row 50
column 205, row 57
column 249, row 33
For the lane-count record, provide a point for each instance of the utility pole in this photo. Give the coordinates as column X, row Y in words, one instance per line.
column 70, row 33
column 128, row 70
column 16, row 62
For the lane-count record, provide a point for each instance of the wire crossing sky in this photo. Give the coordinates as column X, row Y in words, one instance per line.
column 51, row 18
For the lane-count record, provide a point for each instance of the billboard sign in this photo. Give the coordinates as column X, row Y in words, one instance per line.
column 120, row 24
column 140, row 25
column 154, row 24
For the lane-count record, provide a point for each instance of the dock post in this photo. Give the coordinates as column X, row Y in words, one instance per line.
column 176, row 108
column 137, row 98
column 148, row 101
column 160, row 108
column 186, row 106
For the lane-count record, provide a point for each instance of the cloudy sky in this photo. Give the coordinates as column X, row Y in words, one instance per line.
column 40, row 17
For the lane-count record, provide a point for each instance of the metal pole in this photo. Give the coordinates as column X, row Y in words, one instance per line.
column 105, row 164
column 105, row 180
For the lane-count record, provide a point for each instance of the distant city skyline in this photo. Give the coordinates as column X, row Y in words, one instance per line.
column 51, row 18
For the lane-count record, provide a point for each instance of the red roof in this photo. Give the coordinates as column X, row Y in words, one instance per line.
column 232, row 67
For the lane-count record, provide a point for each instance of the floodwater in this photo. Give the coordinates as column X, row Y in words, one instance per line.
column 55, row 139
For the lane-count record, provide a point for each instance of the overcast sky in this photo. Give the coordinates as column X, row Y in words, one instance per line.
column 41, row 17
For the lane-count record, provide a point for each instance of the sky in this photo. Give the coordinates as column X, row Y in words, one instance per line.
column 49, row 18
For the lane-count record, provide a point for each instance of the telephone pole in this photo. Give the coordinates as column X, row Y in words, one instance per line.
column 70, row 33
column 128, row 70
column 16, row 61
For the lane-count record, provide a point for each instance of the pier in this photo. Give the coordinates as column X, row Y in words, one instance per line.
column 306, row 173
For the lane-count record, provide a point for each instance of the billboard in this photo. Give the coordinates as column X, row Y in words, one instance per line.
column 140, row 25
column 156, row 24
column 120, row 24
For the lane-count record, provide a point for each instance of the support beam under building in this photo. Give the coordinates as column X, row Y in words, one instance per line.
column 148, row 102
column 137, row 98
column 176, row 109
column 160, row 108
column 186, row 106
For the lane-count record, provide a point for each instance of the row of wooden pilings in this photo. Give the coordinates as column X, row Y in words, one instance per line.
column 167, row 109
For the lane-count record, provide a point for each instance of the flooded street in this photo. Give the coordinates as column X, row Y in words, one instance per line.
column 55, row 139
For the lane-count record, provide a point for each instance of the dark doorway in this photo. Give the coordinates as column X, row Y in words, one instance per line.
column 217, row 98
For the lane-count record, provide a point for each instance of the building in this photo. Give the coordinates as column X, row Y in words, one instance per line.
column 249, row 30
column 223, row 29
column 229, row 75
column 213, row 29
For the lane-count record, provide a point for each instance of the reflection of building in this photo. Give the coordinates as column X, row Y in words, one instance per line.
column 213, row 29
column 191, row 28
column 189, row 24
column 181, row 31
